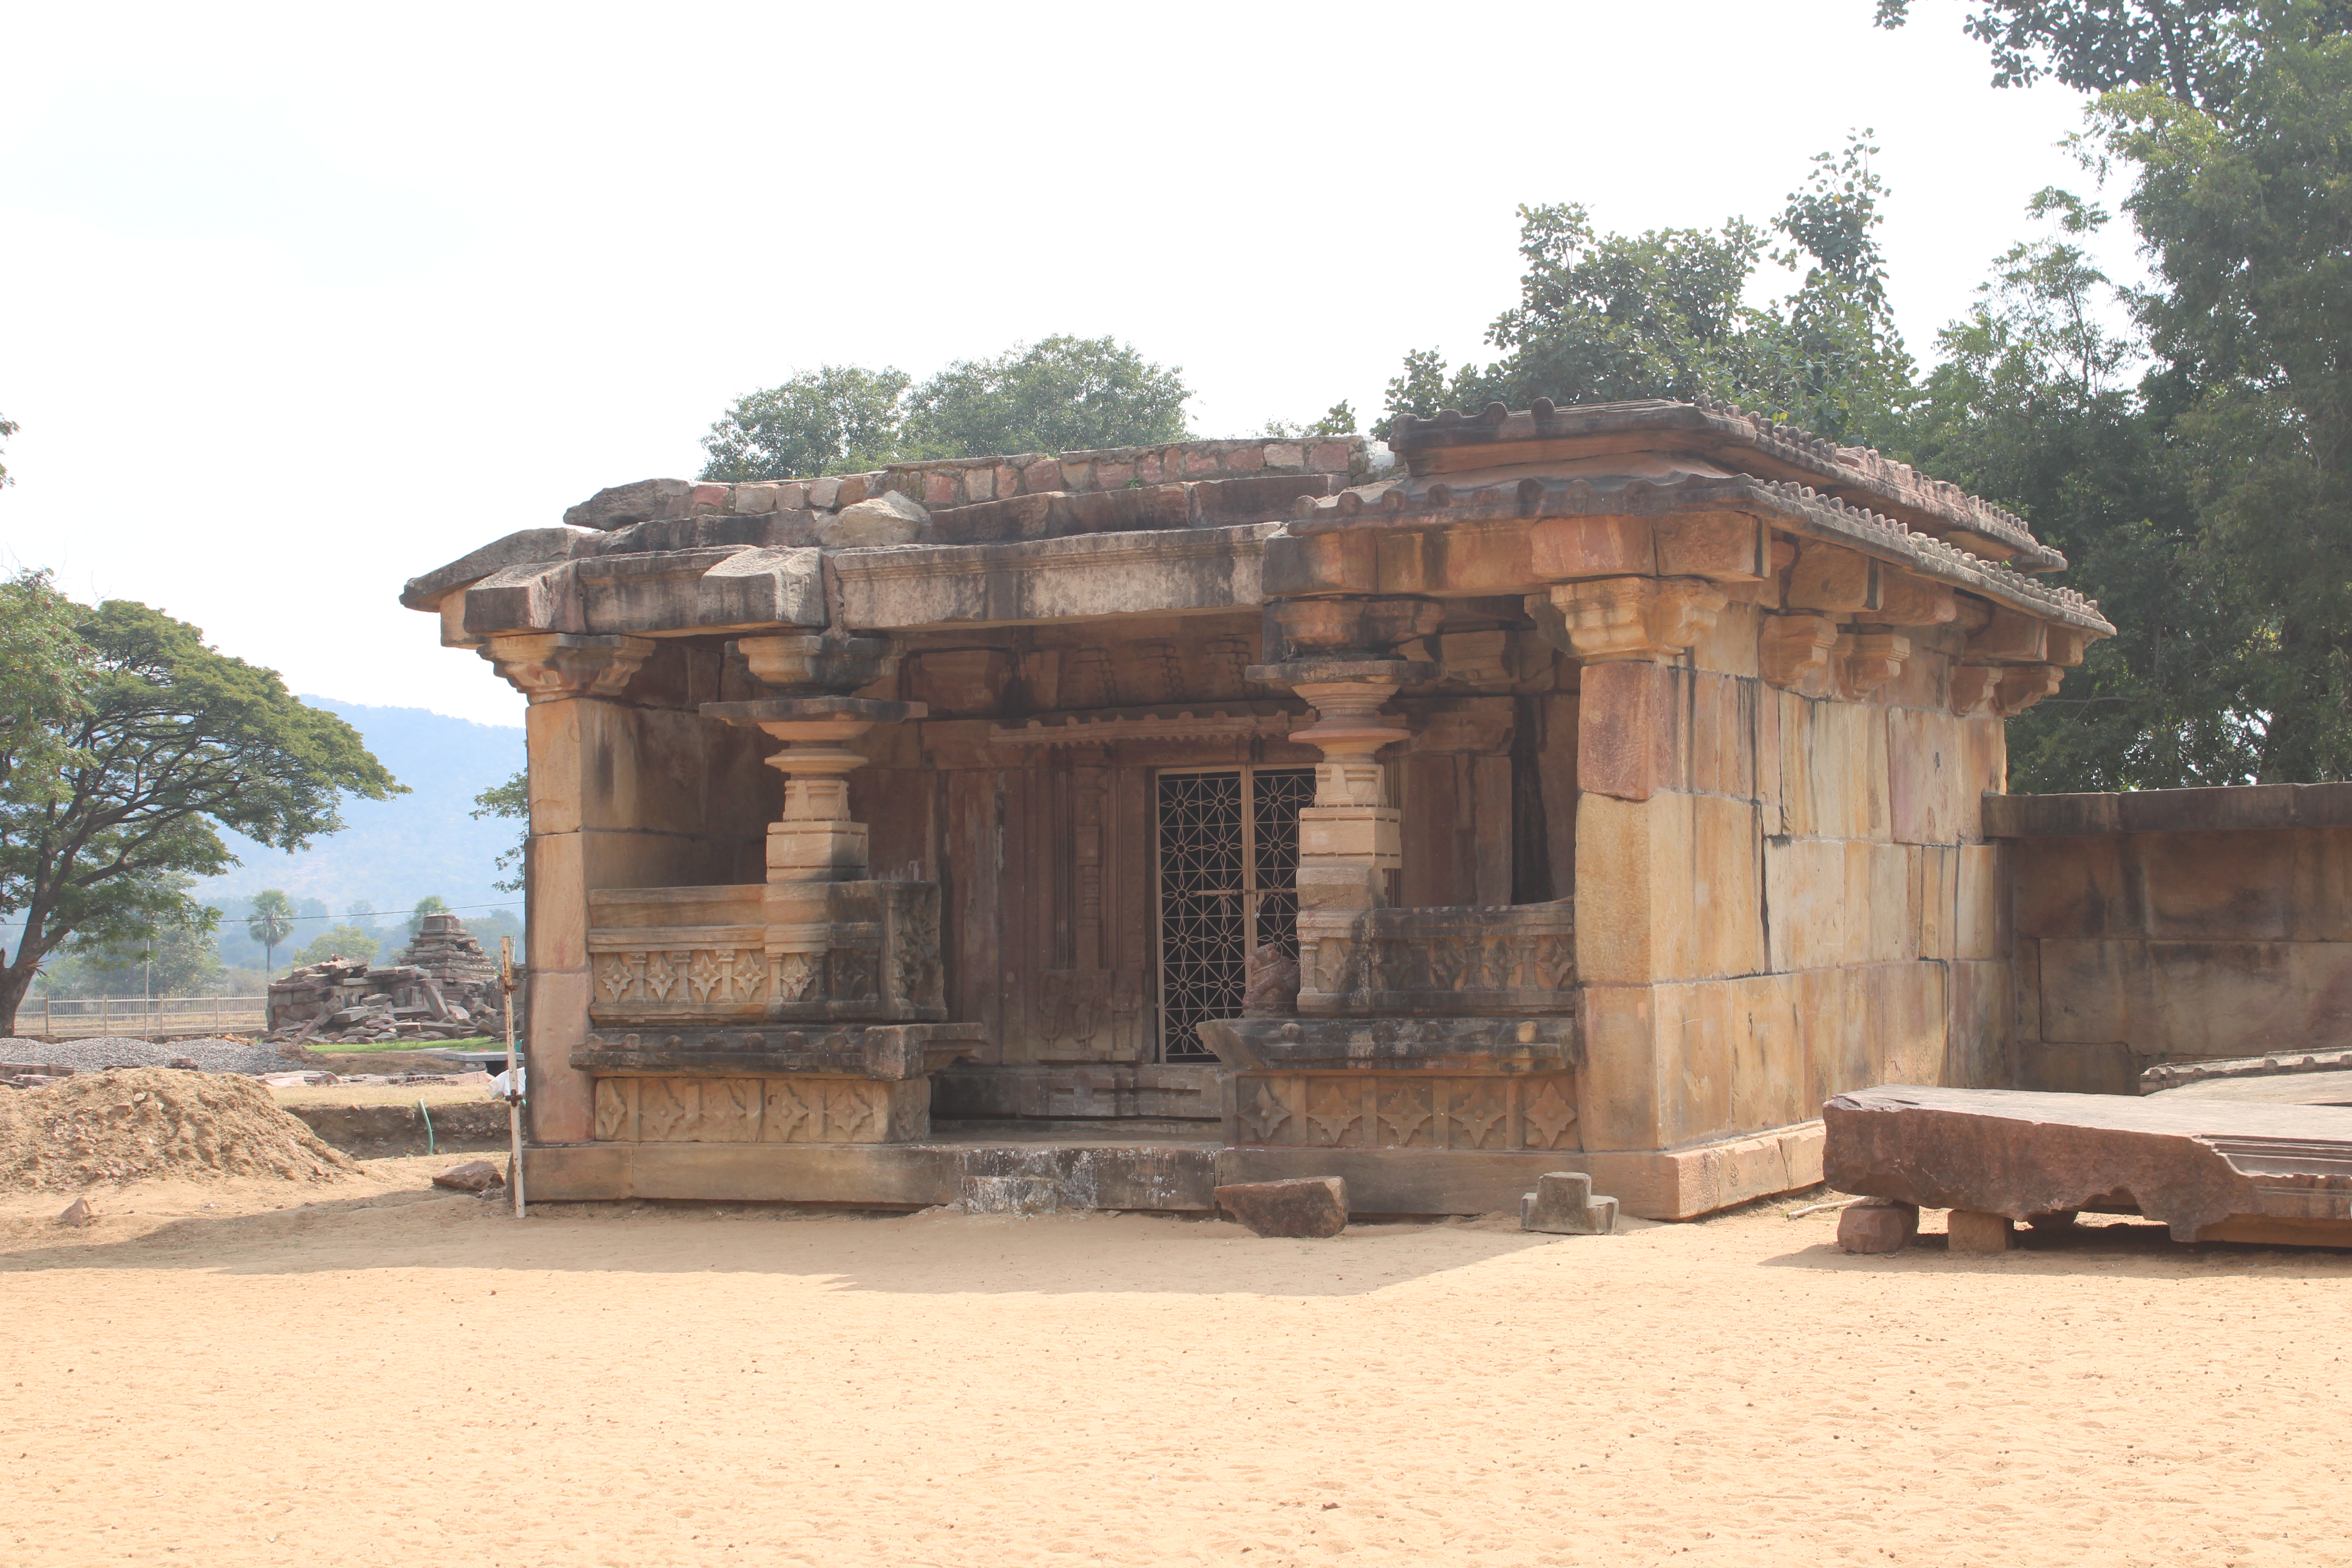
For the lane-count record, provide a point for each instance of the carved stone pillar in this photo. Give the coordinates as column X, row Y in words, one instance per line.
column 571, row 680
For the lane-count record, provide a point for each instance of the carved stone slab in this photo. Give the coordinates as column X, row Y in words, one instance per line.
column 1485, row 1045
column 1516, row 1114
column 798, row 1109
column 2211, row 1170
column 887, row 1052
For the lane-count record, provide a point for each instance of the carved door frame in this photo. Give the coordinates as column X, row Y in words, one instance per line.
column 1191, row 986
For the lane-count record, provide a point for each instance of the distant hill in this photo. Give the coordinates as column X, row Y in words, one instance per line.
column 395, row 852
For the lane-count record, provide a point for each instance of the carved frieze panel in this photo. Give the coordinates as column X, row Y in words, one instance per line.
column 861, row 950
column 797, row 1109
column 1533, row 1111
column 1520, row 959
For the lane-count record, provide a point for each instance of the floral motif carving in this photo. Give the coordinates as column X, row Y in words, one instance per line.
column 1545, row 1116
column 1335, row 1107
column 1501, row 1111
column 612, row 1107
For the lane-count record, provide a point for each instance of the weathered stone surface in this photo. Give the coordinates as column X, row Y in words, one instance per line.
column 621, row 505
column 1878, row 1225
column 888, row 519
column 1308, row 1206
column 1270, row 989
column 470, row 1177
column 78, row 1214
column 1563, row 1205
column 2195, row 1165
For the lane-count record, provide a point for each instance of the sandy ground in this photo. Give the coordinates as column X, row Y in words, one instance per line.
column 386, row 1376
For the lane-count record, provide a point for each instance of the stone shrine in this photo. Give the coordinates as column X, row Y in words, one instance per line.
column 1592, row 790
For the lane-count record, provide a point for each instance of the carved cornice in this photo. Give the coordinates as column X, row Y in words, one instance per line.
column 1625, row 619
column 1792, row 649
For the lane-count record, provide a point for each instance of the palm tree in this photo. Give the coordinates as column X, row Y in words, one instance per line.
column 269, row 922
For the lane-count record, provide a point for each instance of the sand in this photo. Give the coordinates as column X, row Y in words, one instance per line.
column 381, row 1374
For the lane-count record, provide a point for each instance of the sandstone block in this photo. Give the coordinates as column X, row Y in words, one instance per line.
column 888, row 518
column 472, row 1176
column 1969, row 1230
column 1311, row 1207
column 1878, row 1225
column 1563, row 1205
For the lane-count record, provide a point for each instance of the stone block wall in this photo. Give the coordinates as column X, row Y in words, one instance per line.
column 2177, row 925
column 1782, row 887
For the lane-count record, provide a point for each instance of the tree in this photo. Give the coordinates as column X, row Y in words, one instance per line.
column 345, row 940
column 509, row 800
column 170, row 742
column 835, row 419
column 269, row 922
column 2246, row 211
column 2035, row 406
column 2185, row 47
column 169, row 961
column 1063, row 393
column 430, row 904
column 7, row 428
column 43, row 661
column 1607, row 317
column 1340, row 419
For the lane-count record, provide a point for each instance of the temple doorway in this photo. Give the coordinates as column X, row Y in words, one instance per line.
column 1228, row 864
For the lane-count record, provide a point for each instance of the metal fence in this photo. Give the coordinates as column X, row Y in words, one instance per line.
column 146, row 1017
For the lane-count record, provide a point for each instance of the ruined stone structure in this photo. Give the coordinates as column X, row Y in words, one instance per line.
column 1607, row 781
column 444, row 987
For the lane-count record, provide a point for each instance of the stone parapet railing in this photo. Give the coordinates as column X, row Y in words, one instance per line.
column 1438, row 961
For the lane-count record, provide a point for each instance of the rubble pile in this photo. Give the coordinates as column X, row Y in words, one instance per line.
column 443, row 988
column 144, row 1122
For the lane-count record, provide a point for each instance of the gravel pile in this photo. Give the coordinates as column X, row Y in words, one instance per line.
column 117, row 1051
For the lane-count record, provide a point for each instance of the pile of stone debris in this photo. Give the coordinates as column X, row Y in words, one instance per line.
column 443, row 988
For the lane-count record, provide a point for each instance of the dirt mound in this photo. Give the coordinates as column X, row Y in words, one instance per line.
column 141, row 1123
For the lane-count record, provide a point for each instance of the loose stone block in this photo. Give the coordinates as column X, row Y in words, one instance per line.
column 1971, row 1231
column 1312, row 1206
column 1563, row 1205
column 1878, row 1225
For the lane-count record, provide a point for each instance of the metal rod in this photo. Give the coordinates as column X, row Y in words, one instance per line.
column 514, row 1100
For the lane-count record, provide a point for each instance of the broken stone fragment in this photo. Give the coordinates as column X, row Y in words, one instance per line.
column 620, row 506
column 1878, row 1225
column 470, row 1177
column 888, row 519
column 79, row 1213
column 1563, row 1205
column 1972, row 1230
column 1308, row 1206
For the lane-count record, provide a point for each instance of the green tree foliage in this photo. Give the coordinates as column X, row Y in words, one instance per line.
column 2194, row 50
column 345, row 940
column 1340, row 419
column 2246, row 211
column 178, row 960
column 42, row 662
column 2038, row 402
column 430, row 904
column 1063, row 394
column 510, row 800
column 269, row 921
column 7, row 428
column 169, row 742
column 835, row 419
column 1608, row 318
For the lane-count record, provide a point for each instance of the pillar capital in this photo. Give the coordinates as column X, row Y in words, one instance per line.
column 816, row 841
column 548, row 666
column 1653, row 619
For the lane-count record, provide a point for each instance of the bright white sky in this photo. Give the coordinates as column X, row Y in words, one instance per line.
column 300, row 301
